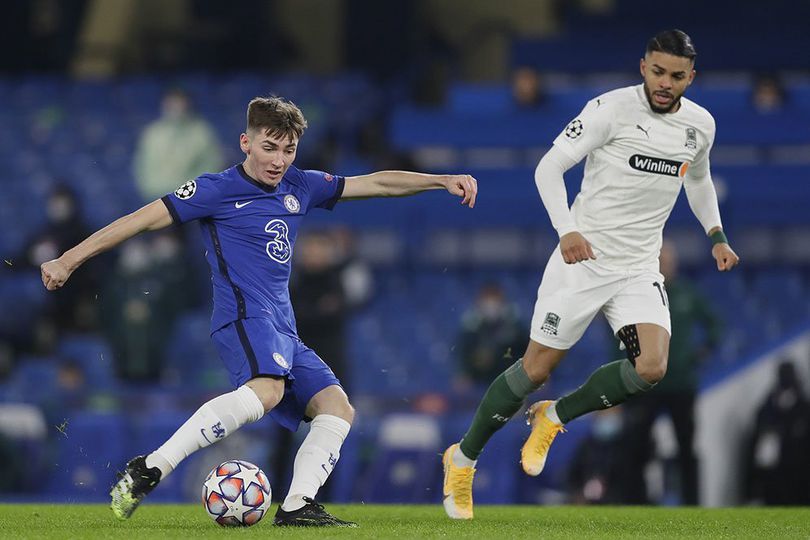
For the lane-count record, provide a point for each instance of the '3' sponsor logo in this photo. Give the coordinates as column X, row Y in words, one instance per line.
column 279, row 248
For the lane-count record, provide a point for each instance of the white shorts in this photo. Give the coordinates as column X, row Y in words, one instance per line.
column 570, row 295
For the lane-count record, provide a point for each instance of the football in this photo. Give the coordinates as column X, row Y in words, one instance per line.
column 236, row 493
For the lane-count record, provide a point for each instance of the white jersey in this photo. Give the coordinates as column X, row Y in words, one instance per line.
column 637, row 161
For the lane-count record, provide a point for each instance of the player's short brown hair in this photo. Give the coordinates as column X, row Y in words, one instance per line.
column 275, row 116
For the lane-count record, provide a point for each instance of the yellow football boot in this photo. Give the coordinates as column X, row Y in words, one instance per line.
column 458, row 483
column 535, row 449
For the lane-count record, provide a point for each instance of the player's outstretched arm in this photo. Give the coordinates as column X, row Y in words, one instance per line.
column 402, row 184
column 151, row 217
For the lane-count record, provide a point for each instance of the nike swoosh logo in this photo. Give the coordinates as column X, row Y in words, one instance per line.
column 203, row 429
column 240, row 205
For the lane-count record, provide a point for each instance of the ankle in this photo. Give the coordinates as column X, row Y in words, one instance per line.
column 155, row 460
column 461, row 460
column 551, row 413
column 293, row 503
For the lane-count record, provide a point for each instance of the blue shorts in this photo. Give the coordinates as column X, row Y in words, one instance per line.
column 252, row 348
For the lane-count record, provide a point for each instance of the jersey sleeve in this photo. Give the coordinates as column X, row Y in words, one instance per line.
column 699, row 168
column 588, row 131
column 195, row 199
column 324, row 189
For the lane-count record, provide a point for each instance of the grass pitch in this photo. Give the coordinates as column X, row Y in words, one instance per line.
column 401, row 522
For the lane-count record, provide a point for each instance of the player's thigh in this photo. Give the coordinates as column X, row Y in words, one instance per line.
column 654, row 343
column 641, row 299
column 316, row 388
column 252, row 348
column 642, row 309
column 569, row 297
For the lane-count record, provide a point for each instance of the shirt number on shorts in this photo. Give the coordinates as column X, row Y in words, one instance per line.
column 278, row 248
column 661, row 291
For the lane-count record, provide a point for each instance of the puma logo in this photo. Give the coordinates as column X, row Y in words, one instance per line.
column 644, row 130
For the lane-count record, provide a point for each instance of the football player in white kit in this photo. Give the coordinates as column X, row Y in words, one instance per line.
column 641, row 143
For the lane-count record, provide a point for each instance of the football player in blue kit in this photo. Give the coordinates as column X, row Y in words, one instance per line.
column 249, row 215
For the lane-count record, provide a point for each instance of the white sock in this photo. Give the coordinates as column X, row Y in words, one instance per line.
column 212, row 422
column 551, row 413
column 315, row 459
column 460, row 460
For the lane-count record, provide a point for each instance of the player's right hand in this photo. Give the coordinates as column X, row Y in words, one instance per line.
column 575, row 248
column 54, row 274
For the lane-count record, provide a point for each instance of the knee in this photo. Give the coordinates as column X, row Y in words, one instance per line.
column 332, row 401
column 537, row 371
column 347, row 413
column 651, row 368
column 269, row 390
column 343, row 410
column 539, row 362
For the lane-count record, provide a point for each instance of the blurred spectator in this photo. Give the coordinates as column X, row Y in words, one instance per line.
column 768, row 94
column 695, row 333
column 492, row 337
column 73, row 308
column 598, row 470
column 69, row 393
column 779, row 454
column 12, row 466
column 6, row 360
column 41, row 33
column 355, row 275
column 527, row 88
column 316, row 290
column 23, row 453
column 177, row 147
column 149, row 288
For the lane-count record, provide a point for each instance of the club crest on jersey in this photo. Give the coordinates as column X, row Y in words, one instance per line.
column 280, row 360
column 187, row 190
column 291, row 204
column 574, row 129
column 691, row 138
column 551, row 324
column 656, row 165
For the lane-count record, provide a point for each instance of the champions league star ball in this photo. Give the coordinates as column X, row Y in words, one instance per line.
column 236, row 493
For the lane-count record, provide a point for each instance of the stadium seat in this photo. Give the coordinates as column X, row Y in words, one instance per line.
column 87, row 455
column 95, row 357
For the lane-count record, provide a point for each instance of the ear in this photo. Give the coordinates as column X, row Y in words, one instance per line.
column 642, row 67
column 244, row 143
column 691, row 77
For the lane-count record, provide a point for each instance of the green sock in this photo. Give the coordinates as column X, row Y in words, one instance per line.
column 609, row 385
column 503, row 399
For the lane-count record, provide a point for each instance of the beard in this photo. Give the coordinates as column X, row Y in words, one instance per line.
column 673, row 104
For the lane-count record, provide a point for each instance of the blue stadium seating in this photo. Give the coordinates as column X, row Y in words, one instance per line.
column 87, row 455
column 95, row 357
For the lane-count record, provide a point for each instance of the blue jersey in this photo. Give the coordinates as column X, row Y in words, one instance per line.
column 249, row 231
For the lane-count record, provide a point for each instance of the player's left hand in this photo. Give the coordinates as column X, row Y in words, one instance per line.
column 725, row 257
column 464, row 186
column 54, row 274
